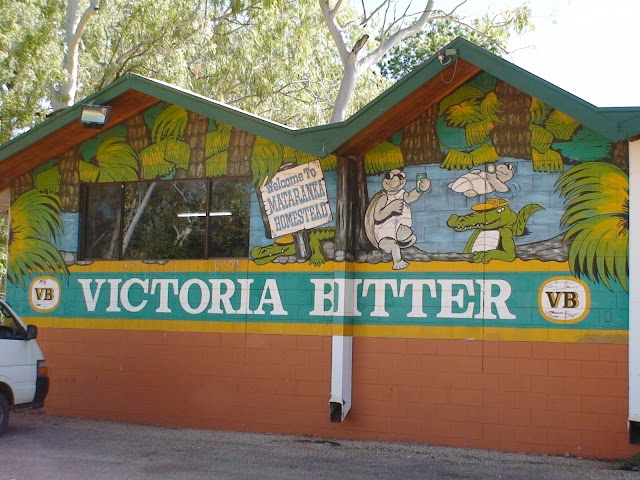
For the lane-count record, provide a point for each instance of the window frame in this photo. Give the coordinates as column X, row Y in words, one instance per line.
column 85, row 187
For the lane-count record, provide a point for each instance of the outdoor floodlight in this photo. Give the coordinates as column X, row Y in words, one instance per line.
column 94, row 116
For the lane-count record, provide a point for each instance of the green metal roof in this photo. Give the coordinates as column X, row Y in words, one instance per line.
column 613, row 123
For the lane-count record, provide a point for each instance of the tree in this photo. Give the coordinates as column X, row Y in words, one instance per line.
column 30, row 61
column 363, row 42
column 491, row 31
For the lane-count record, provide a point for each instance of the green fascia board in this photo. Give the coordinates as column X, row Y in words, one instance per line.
column 613, row 123
column 307, row 140
column 575, row 107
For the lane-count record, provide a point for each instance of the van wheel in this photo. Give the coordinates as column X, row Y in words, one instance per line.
column 4, row 414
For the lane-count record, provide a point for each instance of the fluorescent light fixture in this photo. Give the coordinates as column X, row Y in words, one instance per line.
column 94, row 116
column 202, row 214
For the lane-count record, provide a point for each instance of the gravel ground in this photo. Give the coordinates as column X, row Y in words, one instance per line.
column 43, row 447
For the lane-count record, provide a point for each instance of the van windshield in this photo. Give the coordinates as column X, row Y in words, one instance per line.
column 9, row 328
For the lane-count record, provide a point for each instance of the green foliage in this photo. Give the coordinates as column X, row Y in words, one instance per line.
column 491, row 31
column 117, row 161
column 384, row 156
column 585, row 146
column 484, row 154
column 266, row 160
column 549, row 161
column 273, row 58
column 35, row 221
column 456, row 160
column 539, row 111
column 560, row 125
column 169, row 124
column 162, row 158
column 47, row 181
column 30, row 61
column 597, row 221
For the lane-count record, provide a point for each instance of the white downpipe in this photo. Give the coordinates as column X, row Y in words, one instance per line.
column 634, row 281
column 341, row 368
column 342, row 348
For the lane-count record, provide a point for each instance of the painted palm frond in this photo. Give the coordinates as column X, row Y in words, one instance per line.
column 450, row 137
column 217, row 164
column 549, row 161
column 464, row 113
column 33, row 255
column 301, row 157
column 478, row 132
column 117, row 161
column 35, row 221
column 162, row 158
column 35, row 215
column 599, row 250
column 585, row 146
column 597, row 218
column 217, row 141
column 384, row 156
column 491, row 108
column 89, row 172
column 47, row 181
column 560, row 125
column 330, row 162
column 541, row 138
column 462, row 94
column 217, row 150
column 539, row 111
column 456, row 160
column 266, row 160
column 170, row 123
column 484, row 154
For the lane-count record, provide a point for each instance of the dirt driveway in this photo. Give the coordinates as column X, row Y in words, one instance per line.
column 42, row 447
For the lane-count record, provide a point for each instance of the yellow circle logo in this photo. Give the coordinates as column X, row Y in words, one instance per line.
column 44, row 294
column 564, row 300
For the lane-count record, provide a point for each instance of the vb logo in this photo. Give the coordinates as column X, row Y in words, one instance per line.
column 44, row 294
column 564, row 300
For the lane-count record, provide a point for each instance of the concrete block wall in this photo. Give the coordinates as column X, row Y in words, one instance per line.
column 537, row 397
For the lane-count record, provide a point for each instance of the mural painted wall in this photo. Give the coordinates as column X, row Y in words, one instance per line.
column 490, row 216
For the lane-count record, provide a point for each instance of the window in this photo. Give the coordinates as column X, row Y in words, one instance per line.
column 175, row 219
column 9, row 328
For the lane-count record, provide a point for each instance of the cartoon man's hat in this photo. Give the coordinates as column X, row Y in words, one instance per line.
column 492, row 204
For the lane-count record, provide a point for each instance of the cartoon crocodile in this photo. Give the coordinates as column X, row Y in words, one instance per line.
column 495, row 226
column 286, row 246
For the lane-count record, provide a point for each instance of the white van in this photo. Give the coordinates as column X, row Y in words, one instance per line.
column 24, row 379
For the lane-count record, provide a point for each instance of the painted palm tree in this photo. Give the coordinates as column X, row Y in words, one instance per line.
column 168, row 152
column 115, row 161
column 35, row 221
column 597, row 221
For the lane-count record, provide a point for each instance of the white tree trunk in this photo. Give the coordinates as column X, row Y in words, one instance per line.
column 347, row 87
column 65, row 95
column 352, row 67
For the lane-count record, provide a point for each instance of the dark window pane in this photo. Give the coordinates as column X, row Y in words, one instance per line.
column 102, row 221
column 165, row 220
column 229, row 218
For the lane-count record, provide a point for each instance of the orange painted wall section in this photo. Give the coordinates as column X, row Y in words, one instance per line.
column 536, row 397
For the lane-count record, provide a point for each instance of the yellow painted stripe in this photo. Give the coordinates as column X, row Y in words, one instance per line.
column 248, row 266
column 402, row 331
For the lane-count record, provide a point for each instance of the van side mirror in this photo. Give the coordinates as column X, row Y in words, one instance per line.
column 32, row 332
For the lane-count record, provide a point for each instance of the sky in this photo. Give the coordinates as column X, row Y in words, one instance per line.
column 586, row 47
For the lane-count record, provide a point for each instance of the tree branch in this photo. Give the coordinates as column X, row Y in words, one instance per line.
column 335, row 31
column 390, row 42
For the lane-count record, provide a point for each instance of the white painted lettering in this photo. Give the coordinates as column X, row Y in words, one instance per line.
column 447, row 298
column 417, row 293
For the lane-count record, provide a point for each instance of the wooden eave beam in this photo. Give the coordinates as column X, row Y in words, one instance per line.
column 70, row 135
column 410, row 108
